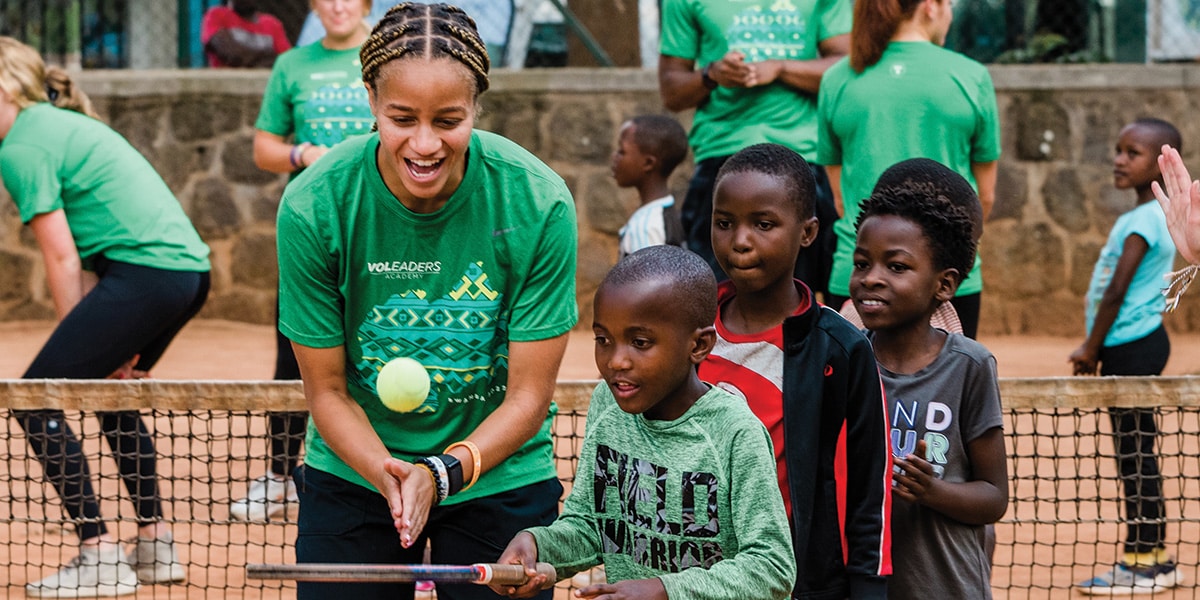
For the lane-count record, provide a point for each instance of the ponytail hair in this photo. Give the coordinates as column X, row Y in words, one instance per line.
column 875, row 22
column 426, row 31
column 25, row 78
column 63, row 93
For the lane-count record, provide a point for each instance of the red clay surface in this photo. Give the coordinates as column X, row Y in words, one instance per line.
column 211, row 349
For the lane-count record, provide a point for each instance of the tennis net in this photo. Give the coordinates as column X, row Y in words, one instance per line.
column 1064, row 524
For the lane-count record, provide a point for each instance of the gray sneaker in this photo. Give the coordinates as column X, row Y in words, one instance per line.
column 157, row 561
column 94, row 573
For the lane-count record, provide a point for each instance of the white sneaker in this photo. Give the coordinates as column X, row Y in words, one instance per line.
column 270, row 496
column 157, row 561
column 94, row 573
column 1127, row 580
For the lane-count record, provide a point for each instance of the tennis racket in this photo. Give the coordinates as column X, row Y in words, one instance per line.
column 481, row 573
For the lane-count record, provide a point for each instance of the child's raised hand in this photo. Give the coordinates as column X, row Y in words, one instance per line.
column 633, row 589
column 522, row 550
column 915, row 477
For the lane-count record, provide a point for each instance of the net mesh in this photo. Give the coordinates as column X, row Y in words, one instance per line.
column 1065, row 522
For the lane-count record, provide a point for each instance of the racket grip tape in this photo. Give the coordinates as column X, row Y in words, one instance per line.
column 514, row 574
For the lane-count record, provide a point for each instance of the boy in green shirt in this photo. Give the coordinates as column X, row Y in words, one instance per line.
column 673, row 473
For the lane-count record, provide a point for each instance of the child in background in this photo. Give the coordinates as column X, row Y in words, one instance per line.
column 807, row 374
column 649, row 147
column 956, row 189
column 914, row 247
column 676, row 490
column 1126, row 337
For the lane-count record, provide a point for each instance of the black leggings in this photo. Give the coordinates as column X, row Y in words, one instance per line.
column 1136, row 431
column 286, row 429
column 133, row 310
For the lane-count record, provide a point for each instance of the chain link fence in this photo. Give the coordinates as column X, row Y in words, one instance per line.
column 149, row 34
column 142, row 34
column 1077, row 31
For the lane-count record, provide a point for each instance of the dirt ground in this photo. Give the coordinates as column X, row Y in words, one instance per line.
column 211, row 349
column 225, row 350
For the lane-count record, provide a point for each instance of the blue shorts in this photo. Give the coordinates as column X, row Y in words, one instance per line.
column 343, row 522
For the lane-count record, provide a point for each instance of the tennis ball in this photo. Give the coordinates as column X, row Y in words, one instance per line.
column 403, row 384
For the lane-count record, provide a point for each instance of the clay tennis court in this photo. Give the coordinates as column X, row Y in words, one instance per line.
column 217, row 350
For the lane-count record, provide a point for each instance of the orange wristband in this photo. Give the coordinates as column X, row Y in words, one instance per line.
column 476, row 460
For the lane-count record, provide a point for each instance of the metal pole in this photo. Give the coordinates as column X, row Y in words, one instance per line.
column 585, row 36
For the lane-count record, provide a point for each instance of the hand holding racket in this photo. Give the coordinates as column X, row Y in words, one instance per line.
column 522, row 553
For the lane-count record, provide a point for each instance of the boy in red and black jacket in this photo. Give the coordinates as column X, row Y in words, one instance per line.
column 806, row 372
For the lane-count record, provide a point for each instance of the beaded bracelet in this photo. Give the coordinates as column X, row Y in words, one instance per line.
column 476, row 459
column 296, row 156
column 440, row 477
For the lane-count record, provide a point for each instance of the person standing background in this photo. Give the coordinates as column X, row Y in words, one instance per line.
column 126, row 270
column 941, row 105
column 751, row 70
column 237, row 34
column 314, row 99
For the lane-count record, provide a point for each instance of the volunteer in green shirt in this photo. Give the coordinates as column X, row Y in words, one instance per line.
column 940, row 105
column 751, row 69
column 126, row 270
column 452, row 246
column 314, row 99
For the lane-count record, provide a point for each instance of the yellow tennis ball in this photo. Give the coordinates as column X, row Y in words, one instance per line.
column 403, row 384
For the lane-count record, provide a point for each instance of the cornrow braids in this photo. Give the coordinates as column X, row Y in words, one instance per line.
column 426, row 30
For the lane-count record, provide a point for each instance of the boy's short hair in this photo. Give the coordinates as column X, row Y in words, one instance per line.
column 782, row 163
column 662, row 137
column 944, row 180
column 946, row 224
column 692, row 284
column 1164, row 132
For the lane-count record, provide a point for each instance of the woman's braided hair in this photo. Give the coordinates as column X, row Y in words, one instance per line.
column 425, row 30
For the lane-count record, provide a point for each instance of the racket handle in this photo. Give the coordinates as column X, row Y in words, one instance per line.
column 515, row 574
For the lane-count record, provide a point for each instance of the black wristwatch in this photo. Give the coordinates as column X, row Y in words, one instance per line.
column 710, row 84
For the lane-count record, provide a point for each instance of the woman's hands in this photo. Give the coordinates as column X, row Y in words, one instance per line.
column 410, row 493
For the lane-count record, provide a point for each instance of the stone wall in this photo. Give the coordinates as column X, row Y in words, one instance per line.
column 1054, row 208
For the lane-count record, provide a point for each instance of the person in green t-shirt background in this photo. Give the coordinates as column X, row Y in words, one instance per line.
column 126, row 270
column 941, row 105
column 751, row 69
column 314, row 99
column 456, row 247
